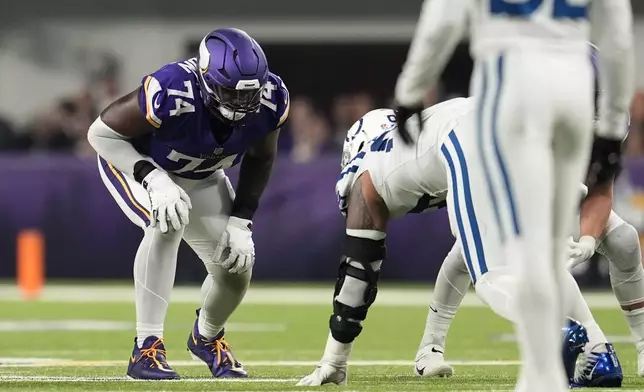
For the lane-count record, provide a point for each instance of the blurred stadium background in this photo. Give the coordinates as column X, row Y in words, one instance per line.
column 61, row 62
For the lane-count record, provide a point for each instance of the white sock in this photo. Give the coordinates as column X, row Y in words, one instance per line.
column 578, row 310
column 635, row 320
column 206, row 329
column 335, row 352
column 451, row 286
column 439, row 319
column 222, row 292
column 154, row 270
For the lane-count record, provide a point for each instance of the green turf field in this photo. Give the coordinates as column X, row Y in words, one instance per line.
column 79, row 339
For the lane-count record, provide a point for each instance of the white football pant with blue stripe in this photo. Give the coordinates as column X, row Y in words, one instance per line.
column 514, row 185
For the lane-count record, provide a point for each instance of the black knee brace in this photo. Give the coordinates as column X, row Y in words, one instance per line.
column 345, row 322
column 605, row 162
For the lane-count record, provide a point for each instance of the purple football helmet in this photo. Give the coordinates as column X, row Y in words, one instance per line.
column 233, row 72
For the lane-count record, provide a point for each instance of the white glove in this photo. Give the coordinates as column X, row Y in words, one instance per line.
column 238, row 239
column 325, row 373
column 169, row 201
column 580, row 251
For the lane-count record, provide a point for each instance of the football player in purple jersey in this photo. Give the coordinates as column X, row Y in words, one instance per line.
column 161, row 153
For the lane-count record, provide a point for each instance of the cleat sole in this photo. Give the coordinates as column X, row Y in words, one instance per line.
column 441, row 371
column 606, row 382
column 153, row 379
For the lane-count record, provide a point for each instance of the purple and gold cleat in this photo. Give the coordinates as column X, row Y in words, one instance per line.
column 149, row 361
column 216, row 353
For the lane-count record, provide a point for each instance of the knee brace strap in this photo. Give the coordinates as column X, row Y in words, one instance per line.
column 364, row 249
column 345, row 323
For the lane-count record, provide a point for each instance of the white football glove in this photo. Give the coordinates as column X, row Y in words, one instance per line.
column 580, row 251
column 169, row 201
column 238, row 239
column 325, row 373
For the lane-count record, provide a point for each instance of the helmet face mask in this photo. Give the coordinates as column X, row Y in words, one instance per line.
column 242, row 101
column 350, row 150
column 354, row 143
column 233, row 104
column 233, row 73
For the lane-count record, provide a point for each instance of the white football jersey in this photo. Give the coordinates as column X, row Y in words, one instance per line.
column 409, row 179
column 498, row 25
column 546, row 27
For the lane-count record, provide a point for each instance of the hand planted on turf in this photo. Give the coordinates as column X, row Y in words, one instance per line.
column 238, row 239
column 170, row 203
column 580, row 251
column 325, row 373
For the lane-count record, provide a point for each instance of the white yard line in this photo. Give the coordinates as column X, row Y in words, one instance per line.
column 263, row 295
column 40, row 363
column 108, row 325
column 126, row 379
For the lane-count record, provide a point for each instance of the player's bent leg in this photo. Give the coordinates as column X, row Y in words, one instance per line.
column 451, row 286
column 495, row 288
column 598, row 365
column 214, row 350
column 621, row 247
column 357, row 283
column 355, row 291
column 222, row 292
column 154, row 271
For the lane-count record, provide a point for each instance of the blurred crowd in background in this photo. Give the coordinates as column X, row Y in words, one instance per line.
column 62, row 127
column 311, row 131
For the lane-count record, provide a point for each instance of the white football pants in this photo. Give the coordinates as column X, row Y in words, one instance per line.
column 514, row 188
column 156, row 259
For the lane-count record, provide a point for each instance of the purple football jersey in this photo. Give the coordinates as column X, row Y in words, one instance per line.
column 183, row 142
